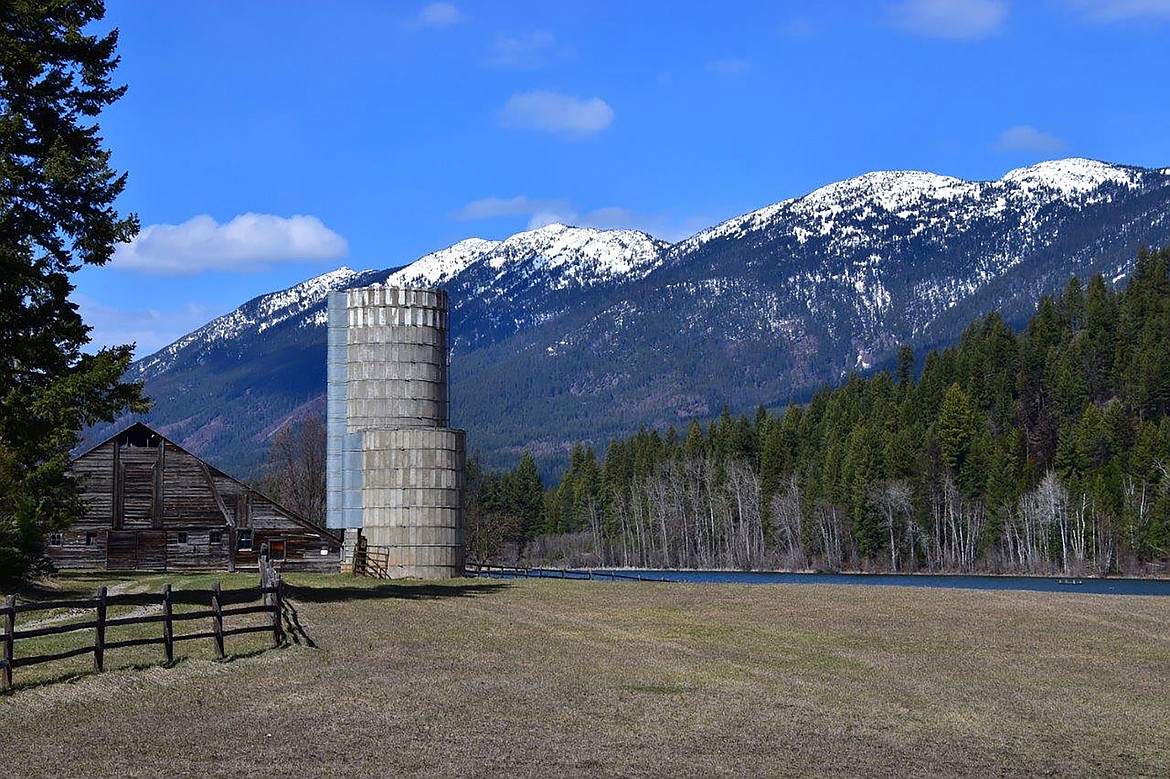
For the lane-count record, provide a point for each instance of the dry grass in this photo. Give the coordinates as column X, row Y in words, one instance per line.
column 541, row 678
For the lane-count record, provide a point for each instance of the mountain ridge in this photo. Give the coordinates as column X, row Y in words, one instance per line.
column 558, row 325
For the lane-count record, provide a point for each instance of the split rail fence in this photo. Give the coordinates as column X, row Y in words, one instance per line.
column 223, row 606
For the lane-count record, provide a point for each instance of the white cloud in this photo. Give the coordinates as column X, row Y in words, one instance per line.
column 248, row 242
column 521, row 205
column 439, row 15
column 555, row 211
column 729, row 67
column 150, row 329
column 1025, row 137
column 663, row 225
column 1122, row 10
column 525, row 51
column 560, row 114
column 954, row 19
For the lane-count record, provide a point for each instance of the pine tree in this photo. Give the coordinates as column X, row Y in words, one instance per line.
column 57, row 193
column 905, row 371
column 523, row 495
column 955, row 427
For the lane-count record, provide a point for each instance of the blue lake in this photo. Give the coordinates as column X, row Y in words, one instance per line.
column 1034, row 583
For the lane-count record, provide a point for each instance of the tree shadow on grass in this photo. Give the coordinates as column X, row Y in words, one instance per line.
column 76, row 676
column 389, row 590
column 296, row 634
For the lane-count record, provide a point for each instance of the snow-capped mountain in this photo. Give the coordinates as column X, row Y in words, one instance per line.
column 566, row 333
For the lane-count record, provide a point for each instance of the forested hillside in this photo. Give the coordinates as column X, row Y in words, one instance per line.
column 1042, row 451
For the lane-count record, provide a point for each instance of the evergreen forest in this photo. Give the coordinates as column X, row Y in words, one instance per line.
column 1045, row 451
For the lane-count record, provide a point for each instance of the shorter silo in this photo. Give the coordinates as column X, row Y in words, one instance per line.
column 395, row 469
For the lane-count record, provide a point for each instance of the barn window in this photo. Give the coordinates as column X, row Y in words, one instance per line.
column 215, row 537
column 139, row 437
column 182, row 536
column 55, row 539
column 89, row 539
column 244, row 541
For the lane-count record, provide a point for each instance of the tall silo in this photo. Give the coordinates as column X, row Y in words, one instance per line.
column 395, row 469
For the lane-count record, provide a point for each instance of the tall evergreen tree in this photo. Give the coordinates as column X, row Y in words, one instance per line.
column 57, row 193
column 955, row 427
column 523, row 495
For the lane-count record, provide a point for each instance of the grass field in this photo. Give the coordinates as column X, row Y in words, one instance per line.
column 540, row 678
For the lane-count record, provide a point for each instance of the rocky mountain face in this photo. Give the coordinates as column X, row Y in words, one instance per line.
column 567, row 333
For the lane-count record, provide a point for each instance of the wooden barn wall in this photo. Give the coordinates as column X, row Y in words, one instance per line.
column 270, row 524
column 134, row 522
column 136, row 468
column 188, row 497
column 95, row 473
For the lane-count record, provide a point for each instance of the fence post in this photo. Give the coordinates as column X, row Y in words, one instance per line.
column 277, row 611
column 217, row 607
column 9, row 638
column 168, row 624
column 99, row 643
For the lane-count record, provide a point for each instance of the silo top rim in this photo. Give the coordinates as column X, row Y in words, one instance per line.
column 390, row 295
column 404, row 288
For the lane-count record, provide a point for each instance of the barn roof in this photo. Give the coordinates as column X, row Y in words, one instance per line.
column 147, row 431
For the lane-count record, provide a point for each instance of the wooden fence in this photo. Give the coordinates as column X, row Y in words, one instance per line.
column 372, row 561
column 222, row 606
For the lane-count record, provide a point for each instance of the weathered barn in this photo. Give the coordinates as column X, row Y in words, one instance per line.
column 153, row 506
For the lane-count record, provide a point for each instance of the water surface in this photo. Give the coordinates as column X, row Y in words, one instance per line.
column 1091, row 586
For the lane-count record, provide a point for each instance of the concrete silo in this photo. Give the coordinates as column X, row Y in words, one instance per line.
column 395, row 470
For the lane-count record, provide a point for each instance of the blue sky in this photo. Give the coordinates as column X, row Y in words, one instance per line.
column 268, row 142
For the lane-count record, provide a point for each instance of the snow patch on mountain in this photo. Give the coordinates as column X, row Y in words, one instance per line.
column 846, row 211
column 1074, row 176
column 892, row 191
column 581, row 254
column 437, row 267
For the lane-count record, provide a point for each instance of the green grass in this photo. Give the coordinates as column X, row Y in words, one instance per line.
column 538, row 678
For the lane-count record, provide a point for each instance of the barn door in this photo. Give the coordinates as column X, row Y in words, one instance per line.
column 152, row 550
column 121, row 550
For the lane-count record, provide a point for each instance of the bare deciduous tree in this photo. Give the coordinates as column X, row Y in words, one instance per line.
column 892, row 499
column 295, row 472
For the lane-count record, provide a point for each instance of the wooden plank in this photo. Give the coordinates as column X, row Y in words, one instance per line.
column 190, row 636
column 215, row 493
column 20, row 662
column 152, row 550
column 249, row 629
column 156, row 509
column 122, row 550
column 217, row 620
column 133, row 642
column 53, row 630
column 278, row 614
column 118, row 477
column 168, row 624
column 9, row 638
column 87, row 603
column 134, row 620
column 189, row 615
column 246, row 610
column 99, row 641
